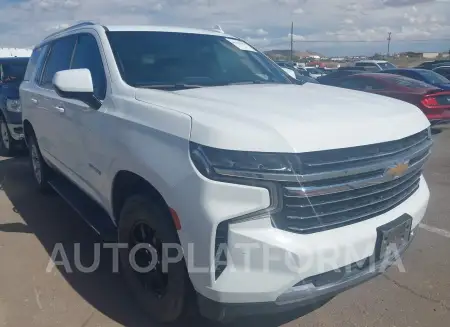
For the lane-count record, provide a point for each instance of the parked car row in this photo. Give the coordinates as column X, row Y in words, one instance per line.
column 425, row 88
column 194, row 141
column 12, row 71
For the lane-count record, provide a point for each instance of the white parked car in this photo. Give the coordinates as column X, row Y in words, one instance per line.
column 375, row 65
column 166, row 136
column 314, row 72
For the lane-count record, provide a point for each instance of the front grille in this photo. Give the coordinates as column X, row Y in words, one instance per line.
column 341, row 187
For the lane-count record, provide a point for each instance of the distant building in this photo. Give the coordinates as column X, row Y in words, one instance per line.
column 14, row 52
column 430, row 55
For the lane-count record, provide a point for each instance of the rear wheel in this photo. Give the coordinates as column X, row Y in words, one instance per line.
column 41, row 171
column 7, row 144
column 163, row 291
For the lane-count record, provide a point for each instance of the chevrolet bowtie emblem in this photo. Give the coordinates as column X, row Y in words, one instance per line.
column 397, row 170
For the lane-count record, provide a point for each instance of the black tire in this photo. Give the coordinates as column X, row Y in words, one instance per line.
column 41, row 171
column 176, row 303
column 7, row 144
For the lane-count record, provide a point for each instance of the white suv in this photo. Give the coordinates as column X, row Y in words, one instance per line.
column 278, row 195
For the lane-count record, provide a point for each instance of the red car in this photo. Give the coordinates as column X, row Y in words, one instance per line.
column 434, row 102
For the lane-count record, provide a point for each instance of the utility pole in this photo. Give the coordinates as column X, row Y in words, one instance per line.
column 292, row 41
column 389, row 43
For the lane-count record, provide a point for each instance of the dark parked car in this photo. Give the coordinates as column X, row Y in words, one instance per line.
column 434, row 102
column 334, row 77
column 424, row 75
column 12, row 71
column 430, row 65
column 443, row 70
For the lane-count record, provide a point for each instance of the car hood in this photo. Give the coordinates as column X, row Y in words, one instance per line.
column 289, row 118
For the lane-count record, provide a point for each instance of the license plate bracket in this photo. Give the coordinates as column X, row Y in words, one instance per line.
column 392, row 237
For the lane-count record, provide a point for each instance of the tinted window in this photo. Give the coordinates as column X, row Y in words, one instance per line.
column 58, row 59
column 13, row 72
column 149, row 59
column 386, row 65
column 87, row 55
column 410, row 83
column 444, row 71
column 433, row 77
column 34, row 62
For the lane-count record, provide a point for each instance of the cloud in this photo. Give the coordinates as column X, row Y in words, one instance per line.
column 258, row 31
column 263, row 22
column 401, row 3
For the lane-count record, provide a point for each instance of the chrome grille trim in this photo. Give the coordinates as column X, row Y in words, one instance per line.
column 329, row 213
column 327, row 196
column 343, row 187
column 415, row 176
column 346, row 221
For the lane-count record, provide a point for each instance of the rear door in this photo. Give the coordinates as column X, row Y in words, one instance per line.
column 53, row 134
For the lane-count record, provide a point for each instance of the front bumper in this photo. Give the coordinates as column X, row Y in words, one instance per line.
column 299, row 296
column 252, row 283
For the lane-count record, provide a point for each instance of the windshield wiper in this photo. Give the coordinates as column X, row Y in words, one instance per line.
column 251, row 82
column 170, row 86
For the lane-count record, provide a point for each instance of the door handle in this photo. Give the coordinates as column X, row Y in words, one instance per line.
column 35, row 101
column 60, row 109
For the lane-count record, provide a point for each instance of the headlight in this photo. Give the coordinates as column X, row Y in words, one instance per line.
column 13, row 105
column 218, row 163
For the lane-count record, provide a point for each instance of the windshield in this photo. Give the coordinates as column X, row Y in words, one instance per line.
column 433, row 77
column 147, row 59
column 13, row 72
column 386, row 65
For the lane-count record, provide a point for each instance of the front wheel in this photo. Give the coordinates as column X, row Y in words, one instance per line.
column 41, row 171
column 7, row 144
column 164, row 291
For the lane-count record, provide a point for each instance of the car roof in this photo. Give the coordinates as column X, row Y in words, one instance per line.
column 132, row 28
column 156, row 28
column 418, row 70
column 382, row 76
column 386, row 77
column 373, row 61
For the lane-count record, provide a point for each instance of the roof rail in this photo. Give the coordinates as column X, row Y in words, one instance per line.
column 80, row 24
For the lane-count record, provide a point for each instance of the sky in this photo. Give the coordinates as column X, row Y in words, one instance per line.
column 416, row 25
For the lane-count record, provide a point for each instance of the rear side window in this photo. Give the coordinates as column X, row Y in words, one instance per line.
column 444, row 71
column 58, row 59
column 410, row 83
column 87, row 55
column 35, row 61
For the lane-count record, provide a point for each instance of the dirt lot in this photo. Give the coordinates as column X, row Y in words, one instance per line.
column 31, row 224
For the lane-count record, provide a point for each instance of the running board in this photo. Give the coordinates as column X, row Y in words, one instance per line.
column 95, row 216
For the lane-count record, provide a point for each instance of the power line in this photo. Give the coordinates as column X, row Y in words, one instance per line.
column 369, row 41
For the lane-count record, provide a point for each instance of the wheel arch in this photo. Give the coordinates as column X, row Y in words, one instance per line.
column 126, row 184
column 28, row 130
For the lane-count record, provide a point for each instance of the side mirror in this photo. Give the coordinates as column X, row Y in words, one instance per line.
column 76, row 84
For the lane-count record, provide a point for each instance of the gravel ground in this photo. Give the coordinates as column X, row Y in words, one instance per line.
column 31, row 224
